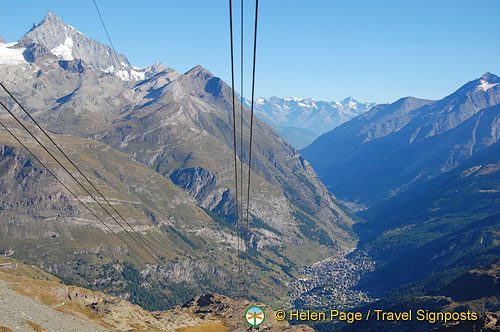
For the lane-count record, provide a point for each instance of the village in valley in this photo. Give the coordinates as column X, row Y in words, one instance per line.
column 331, row 283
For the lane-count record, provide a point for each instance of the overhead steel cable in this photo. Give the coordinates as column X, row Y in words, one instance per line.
column 240, row 278
column 234, row 128
column 241, row 120
column 238, row 193
column 112, row 46
column 126, row 82
column 251, row 130
column 77, row 168
column 85, row 177
column 66, row 187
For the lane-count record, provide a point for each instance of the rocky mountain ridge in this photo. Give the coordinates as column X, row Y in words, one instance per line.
column 178, row 126
column 44, row 225
column 67, row 43
column 50, row 305
column 395, row 146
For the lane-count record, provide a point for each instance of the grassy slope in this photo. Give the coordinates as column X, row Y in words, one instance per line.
column 210, row 312
column 167, row 217
column 76, row 301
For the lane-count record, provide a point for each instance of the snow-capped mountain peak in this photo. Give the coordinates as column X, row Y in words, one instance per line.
column 485, row 85
column 67, row 43
column 306, row 118
column 64, row 50
column 488, row 81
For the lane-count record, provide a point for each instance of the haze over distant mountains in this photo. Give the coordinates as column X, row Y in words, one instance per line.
column 301, row 120
column 395, row 146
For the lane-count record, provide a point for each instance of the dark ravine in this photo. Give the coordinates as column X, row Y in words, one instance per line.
column 449, row 224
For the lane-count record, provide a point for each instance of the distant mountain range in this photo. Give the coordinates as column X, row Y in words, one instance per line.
column 301, row 120
column 394, row 146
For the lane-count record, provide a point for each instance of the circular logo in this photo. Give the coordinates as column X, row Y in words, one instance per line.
column 255, row 316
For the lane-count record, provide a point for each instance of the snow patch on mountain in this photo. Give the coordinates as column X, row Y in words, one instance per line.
column 64, row 50
column 485, row 85
column 128, row 75
column 110, row 69
column 301, row 120
column 11, row 56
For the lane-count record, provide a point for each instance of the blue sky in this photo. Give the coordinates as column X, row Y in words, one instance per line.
column 375, row 51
